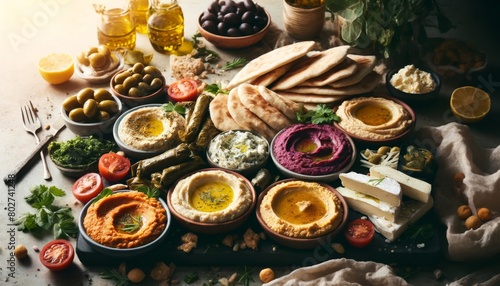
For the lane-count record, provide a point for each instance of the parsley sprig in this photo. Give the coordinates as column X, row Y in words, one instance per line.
column 319, row 115
column 215, row 89
column 169, row 107
column 48, row 216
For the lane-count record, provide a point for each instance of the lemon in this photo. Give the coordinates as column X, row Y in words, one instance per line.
column 470, row 104
column 56, row 68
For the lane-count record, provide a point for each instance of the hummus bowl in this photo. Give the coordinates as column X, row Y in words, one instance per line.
column 211, row 200
column 301, row 214
column 313, row 152
column 127, row 223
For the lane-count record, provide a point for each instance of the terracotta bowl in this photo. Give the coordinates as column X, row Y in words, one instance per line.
column 227, row 42
column 412, row 98
column 159, row 96
column 315, row 178
column 215, row 227
column 363, row 141
column 122, row 252
column 301, row 243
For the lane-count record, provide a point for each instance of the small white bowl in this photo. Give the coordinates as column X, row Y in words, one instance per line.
column 92, row 76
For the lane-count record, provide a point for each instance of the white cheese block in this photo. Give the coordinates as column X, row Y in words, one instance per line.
column 410, row 212
column 385, row 189
column 368, row 205
column 411, row 187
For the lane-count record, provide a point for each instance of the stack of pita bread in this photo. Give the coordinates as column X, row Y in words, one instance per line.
column 302, row 75
column 255, row 108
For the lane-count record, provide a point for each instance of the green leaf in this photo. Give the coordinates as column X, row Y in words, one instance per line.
column 65, row 228
column 373, row 28
column 386, row 37
column 319, row 115
column 26, row 222
column 56, row 191
column 215, row 89
column 104, row 193
column 235, row 63
column 351, row 31
column 150, row 192
column 43, row 219
column 169, row 107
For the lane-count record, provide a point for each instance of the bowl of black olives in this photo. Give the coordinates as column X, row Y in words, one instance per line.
column 234, row 25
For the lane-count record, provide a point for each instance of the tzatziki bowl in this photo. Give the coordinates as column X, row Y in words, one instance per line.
column 413, row 84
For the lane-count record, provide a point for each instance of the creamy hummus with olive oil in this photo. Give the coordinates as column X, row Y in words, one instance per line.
column 211, row 196
column 151, row 129
column 413, row 80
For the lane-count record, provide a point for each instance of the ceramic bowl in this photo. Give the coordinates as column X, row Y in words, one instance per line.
column 227, row 42
column 92, row 76
column 301, row 243
column 316, row 178
column 156, row 97
column 98, row 129
column 413, row 98
column 251, row 169
column 396, row 140
column 213, row 227
column 123, row 252
column 77, row 172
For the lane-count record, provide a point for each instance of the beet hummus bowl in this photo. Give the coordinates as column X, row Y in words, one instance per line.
column 313, row 152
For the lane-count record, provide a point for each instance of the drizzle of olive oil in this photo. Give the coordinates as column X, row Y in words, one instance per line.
column 373, row 114
column 287, row 207
column 152, row 128
column 212, row 197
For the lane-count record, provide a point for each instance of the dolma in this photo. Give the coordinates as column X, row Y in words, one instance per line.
column 207, row 132
column 195, row 119
column 173, row 173
column 174, row 156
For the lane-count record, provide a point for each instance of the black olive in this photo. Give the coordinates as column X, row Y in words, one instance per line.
column 260, row 21
column 250, row 5
column 210, row 26
column 222, row 28
column 232, row 20
column 247, row 17
column 214, row 7
column 246, row 29
column 233, row 32
column 208, row 16
column 227, row 9
column 260, row 10
column 220, row 17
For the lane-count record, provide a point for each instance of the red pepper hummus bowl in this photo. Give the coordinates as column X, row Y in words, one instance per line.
column 314, row 152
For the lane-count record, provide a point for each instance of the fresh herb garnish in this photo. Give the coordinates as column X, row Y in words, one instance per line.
column 208, row 198
column 48, row 215
column 114, row 275
column 150, row 192
column 419, row 233
column 169, row 107
column 104, row 193
column 201, row 51
column 245, row 276
column 319, row 115
column 235, row 63
column 215, row 89
column 131, row 223
column 375, row 182
column 191, row 277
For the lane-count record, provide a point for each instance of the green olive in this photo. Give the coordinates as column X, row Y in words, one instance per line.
column 110, row 106
column 98, row 60
column 144, row 86
column 70, row 103
column 156, row 84
column 367, row 152
column 77, row 115
column 134, row 92
column 138, row 68
column 84, row 95
column 119, row 88
column 147, row 78
column 120, row 78
column 152, row 71
column 375, row 158
column 91, row 51
column 90, row 108
column 395, row 149
column 103, row 49
column 383, row 150
column 82, row 59
column 129, row 82
column 102, row 94
column 103, row 115
column 137, row 76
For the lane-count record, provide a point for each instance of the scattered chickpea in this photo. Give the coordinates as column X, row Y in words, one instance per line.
column 473, row 222
column 266, row 275
column 484, row 214
column 20, row 251
column 464, row 211
column 459, row 179
column 136, row 275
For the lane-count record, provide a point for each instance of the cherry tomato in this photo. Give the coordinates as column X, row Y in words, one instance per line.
column 113, row 167
column 183, row 90
column 57, row 255
column 359, row 232
column 87, row 187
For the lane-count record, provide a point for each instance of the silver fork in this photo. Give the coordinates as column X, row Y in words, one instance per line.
column 32, row 124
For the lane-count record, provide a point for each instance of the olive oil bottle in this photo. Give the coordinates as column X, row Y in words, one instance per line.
column 115, row 27
column 165, row 25
column 139, row 11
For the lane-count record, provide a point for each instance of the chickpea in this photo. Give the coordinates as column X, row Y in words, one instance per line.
column 464, row 211
column 136, row 275
column 473, row 222
column 459, row 179
column 266, row 275
column 20, row 251
column 484, row 214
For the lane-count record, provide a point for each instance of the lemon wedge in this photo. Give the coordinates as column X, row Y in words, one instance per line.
column 56, row 68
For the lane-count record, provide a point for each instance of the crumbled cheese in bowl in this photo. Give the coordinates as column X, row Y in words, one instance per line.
column 238, row 150
column 413, row 80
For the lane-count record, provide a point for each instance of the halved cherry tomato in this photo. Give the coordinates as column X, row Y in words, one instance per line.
column 359, row 232
column 57, row 255
column 113, row 167
column 183, row 90
column 87, row 187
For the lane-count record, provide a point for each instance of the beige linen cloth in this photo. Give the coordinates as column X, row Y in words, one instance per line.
column 456, row 152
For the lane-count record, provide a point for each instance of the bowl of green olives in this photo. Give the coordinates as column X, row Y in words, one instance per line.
column 139, row 85
column 234, row 25
column 91, row 112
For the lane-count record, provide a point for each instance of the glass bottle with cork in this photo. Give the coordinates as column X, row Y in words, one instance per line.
column 115, row 27
column 139, row 10
column 165, row 25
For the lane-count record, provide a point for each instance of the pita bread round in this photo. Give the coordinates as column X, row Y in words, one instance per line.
column 288, row 107
column 245, row 118
column 312, row 66
column 268, row 78
column 365, row 66
column 270, row 61
column 250, row 97
column 220, row 114
column 346, row 68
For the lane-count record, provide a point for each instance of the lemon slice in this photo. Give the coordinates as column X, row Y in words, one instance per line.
column 470, row 104
column 56, row 68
